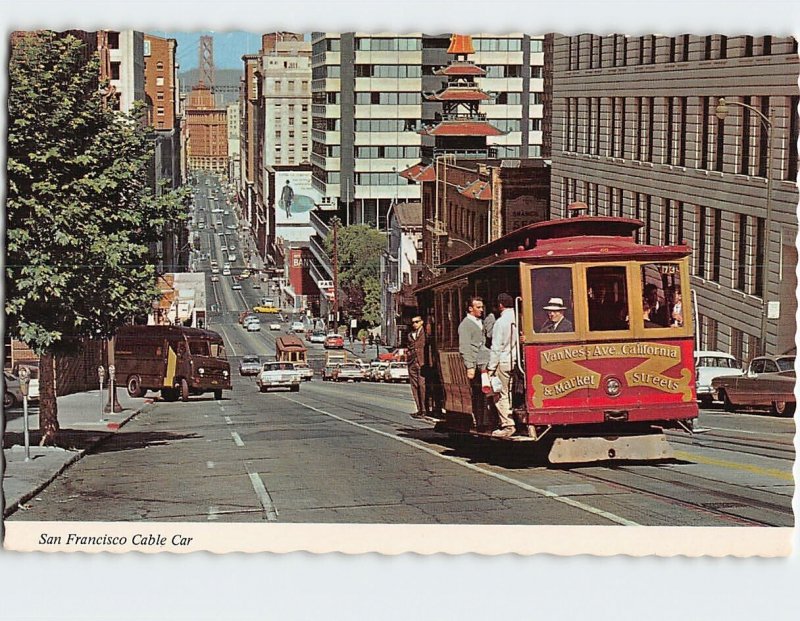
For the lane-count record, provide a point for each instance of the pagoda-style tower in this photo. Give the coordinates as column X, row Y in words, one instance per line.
column 460, row 131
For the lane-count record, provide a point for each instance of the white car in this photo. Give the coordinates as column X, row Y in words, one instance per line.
column 709, row 365
column 306, row 372
column 274, row 326
column 236, row 286
column 317, row 336
column 278, row 375
column 226, row 271
column 396, row 372
column 215, row 278
column 253, row 326
column 298, row 326
column 231, row 227
column 231, row 257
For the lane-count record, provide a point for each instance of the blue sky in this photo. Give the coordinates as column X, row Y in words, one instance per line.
column 229, row 46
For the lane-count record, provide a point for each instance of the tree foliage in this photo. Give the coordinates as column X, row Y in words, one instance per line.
column 359, row 256
column 80, row 215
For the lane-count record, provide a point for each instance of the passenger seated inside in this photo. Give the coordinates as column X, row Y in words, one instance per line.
column 605, row 313
column 658, row 309
column 647, row 311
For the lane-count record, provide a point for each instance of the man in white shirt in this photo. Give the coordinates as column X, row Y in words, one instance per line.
column 472, row 347
column 504, row 340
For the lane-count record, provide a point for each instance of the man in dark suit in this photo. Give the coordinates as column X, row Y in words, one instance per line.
column 418, row 364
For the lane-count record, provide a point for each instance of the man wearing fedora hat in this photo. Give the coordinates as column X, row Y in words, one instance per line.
column 556, row 322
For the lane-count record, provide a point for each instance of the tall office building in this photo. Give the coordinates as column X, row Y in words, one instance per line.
column 285, row 74
column 368, row 110
column 640, row 129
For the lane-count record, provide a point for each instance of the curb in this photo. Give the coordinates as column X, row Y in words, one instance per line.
column 112, row 427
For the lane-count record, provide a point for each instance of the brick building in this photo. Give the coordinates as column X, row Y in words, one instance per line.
column 207, row 127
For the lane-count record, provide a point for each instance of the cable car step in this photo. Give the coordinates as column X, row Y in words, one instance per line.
column 617, row 448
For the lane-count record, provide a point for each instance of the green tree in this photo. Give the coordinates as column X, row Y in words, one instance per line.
column 80, row 216
column 359, row 251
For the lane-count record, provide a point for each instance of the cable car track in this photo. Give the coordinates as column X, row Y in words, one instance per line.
column 687, row 482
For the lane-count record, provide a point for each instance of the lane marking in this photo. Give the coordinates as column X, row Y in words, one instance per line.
column 228, row 420
column 710, row 461
column 209, row 464
column 464, row 464
column 237, row 439
column 213, row 513
column 785, row 434
column 263, row 497
column 229, row 342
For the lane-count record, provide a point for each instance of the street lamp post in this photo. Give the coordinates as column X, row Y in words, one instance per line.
column 722, row 112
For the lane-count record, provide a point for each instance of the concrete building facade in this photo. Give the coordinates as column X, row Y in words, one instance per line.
column 368, row 107
column 285, row 74
column 636, row 133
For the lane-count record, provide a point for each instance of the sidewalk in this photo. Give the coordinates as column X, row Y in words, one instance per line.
column 81, row 429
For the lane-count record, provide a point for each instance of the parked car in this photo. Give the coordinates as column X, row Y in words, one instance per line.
column 317, row 336
column 376, row 371
column 329, row 372
column 298, row 326
column 250, row 365
column 12, row 394
column 334, row 341
column 278, row 375
column 349, row 372
column 768, row 383
column 396, row 372
column 306, row 372
column 710, row 365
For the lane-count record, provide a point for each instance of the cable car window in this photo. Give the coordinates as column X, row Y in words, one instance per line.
column 607, row 291
column 553, row 308
column 662, row 302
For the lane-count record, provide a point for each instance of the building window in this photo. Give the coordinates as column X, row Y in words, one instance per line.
column 763, row 142
column 741, row 253
column 760, row 244
column 115, row 69
column 160, row 66
column 720, row 150
column 160, row 96
column 113, row 40
column 668, row 137
column 160, row 81
column 682, row 124
column 794, row 135
column 160, row 111
column 744, row 163
column 700, row 265
column 716, row 254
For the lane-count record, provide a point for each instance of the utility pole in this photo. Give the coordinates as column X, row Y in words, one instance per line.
column 335, row 274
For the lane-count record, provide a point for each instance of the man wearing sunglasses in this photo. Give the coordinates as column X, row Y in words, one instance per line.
column 418, row 363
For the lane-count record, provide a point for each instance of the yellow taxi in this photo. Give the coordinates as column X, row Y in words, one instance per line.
column 265, row 309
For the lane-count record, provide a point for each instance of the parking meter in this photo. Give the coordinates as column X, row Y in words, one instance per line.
column 101, row 375
column 24, row 385
column 24, row 380
column 111, row 373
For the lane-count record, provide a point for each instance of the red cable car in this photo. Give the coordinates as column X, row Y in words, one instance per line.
column 616, row 366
